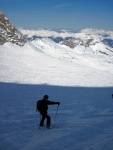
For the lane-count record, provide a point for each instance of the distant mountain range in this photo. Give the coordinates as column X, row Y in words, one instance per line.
column 100, row 41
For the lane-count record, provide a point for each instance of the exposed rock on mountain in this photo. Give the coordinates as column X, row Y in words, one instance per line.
column 8, row 33
column 69, row 43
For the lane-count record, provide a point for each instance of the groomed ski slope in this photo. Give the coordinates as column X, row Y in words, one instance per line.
column 85, row 116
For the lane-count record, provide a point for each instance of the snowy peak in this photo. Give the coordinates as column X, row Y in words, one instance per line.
column 8, row 33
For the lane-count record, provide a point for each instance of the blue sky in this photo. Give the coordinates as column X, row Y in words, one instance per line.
column 64, row 14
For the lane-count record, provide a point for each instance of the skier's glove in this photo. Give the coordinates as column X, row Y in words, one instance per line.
column 58, row 103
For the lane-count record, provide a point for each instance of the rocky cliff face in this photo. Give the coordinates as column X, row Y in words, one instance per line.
column 8, row 33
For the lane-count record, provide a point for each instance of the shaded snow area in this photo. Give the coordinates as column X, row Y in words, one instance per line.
column 84, row 120
column 80, row 80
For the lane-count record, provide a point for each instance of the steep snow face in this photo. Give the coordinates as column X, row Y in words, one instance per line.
column 46, row 62
column 8, row 33
column 82, row 55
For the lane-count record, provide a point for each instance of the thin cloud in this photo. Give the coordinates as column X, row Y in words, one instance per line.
column 62, row 5
column 10, row 0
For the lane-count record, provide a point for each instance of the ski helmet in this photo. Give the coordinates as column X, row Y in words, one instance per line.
column 46, row 96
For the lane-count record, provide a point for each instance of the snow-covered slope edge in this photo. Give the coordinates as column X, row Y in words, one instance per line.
column 80, row 54
column 32, row 65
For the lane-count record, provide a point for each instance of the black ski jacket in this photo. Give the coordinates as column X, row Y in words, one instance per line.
column 44, row 105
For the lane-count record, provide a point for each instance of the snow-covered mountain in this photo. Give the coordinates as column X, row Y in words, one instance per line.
column 43, row 61
column 8, row 33
column 90, row 47
column 86, row 37
column 71, row 51
column 88, row 42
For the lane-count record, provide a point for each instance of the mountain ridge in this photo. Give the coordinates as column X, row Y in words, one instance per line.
column 9, row 33
column 87, row 38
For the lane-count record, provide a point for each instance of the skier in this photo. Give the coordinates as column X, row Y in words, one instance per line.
column 42, row 107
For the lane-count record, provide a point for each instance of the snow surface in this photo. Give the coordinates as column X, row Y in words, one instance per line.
column 80, row 80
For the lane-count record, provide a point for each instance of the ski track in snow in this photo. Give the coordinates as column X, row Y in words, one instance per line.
column 85, row 116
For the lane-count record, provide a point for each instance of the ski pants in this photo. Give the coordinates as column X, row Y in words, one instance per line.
column 48, row 123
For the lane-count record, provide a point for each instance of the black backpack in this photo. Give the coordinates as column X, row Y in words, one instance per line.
column 39, row 105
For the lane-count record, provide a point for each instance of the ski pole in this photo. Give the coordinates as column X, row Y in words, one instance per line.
column 56, row 112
